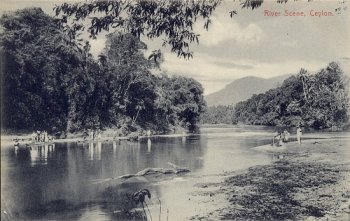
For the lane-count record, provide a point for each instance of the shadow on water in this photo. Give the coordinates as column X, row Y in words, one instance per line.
column 79, row 181
column 43, row 181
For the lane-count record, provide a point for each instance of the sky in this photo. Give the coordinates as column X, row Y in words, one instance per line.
column 251, row 43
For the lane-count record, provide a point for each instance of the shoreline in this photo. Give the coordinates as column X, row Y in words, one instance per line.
column 307, row 182
column 26, row 139
column 7, row 139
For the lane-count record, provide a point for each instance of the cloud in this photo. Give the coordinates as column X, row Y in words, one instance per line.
column 215, row 73
column 232, row 65
column 224, row 28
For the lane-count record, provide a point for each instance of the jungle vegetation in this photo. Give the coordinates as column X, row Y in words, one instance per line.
column 50, row 81
column 220, row 114
column 319, row 100
column 314, row 100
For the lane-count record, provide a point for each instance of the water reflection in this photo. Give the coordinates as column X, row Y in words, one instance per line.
column 98, row 150
column 183, row 139
column 114, row 148
column 79, row 181
column 36, row 154
column 149, row 145
column 91, row 150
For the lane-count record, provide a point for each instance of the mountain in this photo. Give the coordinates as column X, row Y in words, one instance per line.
column 242, row 89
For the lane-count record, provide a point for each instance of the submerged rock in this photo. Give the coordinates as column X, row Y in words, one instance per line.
column 157, row 171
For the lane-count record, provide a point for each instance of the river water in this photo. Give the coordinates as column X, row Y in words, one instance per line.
column 78, row 181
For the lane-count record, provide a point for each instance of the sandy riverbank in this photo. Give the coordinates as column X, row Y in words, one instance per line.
column 307, row 182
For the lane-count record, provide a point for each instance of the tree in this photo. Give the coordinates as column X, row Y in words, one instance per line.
column 36, row 70
column 318, row 101
column 188, row 100
column 131, row 85
column 218, row 115
column 308, row 84
column 171, row 20
column 50, row 83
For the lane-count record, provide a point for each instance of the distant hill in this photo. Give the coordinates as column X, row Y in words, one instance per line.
column 242, row 89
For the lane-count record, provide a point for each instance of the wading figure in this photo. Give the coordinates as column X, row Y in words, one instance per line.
column 286, row 136
column 299, row 133
column 275, row 134
column 281, row 140
column 37, row 136
column 45, row 136
column 91, row 134
column 278, row 139
column 33, row 137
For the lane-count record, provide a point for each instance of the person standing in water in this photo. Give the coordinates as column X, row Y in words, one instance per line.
column 299, row 133
column 274, row 136
column 286, row 136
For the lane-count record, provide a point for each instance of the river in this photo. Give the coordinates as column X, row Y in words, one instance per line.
column 78, row 181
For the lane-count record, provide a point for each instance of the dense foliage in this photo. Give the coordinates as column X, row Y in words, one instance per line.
column 51, row 81
column 172, row 20
column 319, row 101
column 220, row 114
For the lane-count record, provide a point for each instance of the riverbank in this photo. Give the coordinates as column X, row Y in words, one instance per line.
column 109, row 135
column 270, row 191
column 307, row 182
column 26, row 138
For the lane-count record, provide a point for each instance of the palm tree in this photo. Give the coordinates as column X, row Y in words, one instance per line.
column 304, row 77
column 139, row 107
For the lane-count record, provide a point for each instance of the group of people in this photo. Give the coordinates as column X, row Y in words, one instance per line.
column 279, row 138
column 41, row 136
column 92, row 135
